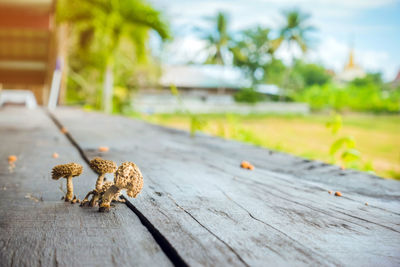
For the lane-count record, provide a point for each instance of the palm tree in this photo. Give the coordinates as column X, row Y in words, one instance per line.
column 217, row 40
column 102, row 24
column 296, row 29
column 252, row 51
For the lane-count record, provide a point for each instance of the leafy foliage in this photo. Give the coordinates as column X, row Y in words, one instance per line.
column 335, row 124
column 343, row 149
column 197, row 123
column 102, row 30
column 248, row 95
column 217, row 39
column 252, row 51
column 371, row 97
column 312, row 74
column 296, row 29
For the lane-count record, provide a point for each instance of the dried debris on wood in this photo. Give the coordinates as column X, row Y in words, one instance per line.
column 12, row 159
column 103, row 149
column 247, row 165
column 11, row 163
column 338, row 194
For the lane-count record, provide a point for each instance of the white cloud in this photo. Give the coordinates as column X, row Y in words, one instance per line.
column 185, row 49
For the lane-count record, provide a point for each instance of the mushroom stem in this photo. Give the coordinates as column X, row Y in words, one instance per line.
column 86, row 199
column 95, row 198
column 99, row 182
column 70, row 189
column 108, row 197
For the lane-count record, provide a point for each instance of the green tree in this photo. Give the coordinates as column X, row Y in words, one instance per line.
column 101, row 26
column 312, row 74
column 217, row 39
column 296, row 29
column 252, row 51
column 274, row 72
column 369, row 79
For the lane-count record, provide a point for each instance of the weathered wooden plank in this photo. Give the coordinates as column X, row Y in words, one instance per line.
column 39, row 229
column 215, row 213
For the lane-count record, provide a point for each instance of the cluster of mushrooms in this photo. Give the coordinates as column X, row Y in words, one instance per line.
column 127, row 176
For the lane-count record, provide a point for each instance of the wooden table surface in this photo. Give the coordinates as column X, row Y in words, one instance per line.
column 197, row 207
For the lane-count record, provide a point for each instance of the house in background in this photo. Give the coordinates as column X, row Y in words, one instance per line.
column 196, row 84
column 204, row 80
column 207, row 89
column 30, row 44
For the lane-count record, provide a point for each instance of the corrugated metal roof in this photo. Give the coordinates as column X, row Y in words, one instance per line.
column 204, row 76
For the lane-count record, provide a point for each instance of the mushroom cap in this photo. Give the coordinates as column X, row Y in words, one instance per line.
column 102, row 166
column 129, row 177
column 66, row 170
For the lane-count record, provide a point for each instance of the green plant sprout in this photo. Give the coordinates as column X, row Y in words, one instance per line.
column 344, row 148
column 197, row 123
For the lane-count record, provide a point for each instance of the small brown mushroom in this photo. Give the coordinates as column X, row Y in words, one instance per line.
column 67, row 171
column 106, row 185
column 127, row 176
column 101, row 167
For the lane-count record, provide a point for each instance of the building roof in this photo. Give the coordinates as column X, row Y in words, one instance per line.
column 203, row 76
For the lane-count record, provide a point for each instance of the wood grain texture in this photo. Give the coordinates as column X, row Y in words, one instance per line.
column 39, row 229
column 215, row 213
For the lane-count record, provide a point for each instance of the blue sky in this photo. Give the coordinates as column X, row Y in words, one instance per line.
column 372, row 26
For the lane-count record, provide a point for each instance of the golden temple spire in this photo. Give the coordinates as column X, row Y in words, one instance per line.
column 351, row 64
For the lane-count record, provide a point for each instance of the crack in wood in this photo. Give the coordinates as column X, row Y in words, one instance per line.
column 160, row 239
column 315, row 209
column 327, row 213
column 211, row 232
column 310, row 251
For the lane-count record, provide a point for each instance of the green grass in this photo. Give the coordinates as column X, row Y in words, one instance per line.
column 377, row 136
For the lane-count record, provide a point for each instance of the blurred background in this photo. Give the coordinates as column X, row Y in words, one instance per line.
column 318, row 79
